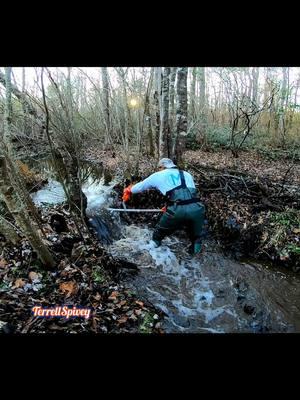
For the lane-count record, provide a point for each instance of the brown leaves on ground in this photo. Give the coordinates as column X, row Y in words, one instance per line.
column 69, row 288
column 3, row 263
column 113, row 296
column 249, row 162
column 34, row 277
column 90, row 281
column 241, row 195
column 19, row 283
column 122, row 320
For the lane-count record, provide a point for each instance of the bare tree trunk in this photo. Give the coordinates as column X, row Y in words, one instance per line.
column 202, row 103
column 267, row 84
column 14, row 203
column 250, row 87
column 148, row 115
column 8, row 231
column 31, row 110
column 21, row 217
column 105, row 85
column 193, row 95
column 14, row 172
column 282, row 106
column 24, row 127
column 164, row 137
column 157, row 97
column 255, row 77
column 172, row 103
column 181, row 113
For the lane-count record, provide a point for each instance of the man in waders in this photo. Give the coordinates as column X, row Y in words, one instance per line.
column 183, row 206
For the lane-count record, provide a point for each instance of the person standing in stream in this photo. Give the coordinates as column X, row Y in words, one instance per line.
column 183, row 209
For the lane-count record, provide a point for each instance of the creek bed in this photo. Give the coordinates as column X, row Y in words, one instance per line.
column 209, row 293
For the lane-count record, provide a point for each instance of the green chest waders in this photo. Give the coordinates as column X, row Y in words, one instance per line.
column 184, row 210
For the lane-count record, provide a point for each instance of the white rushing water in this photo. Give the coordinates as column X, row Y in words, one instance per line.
column 98, row 194
column 173, row 279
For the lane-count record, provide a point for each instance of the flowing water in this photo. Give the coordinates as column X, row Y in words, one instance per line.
column 204, row 293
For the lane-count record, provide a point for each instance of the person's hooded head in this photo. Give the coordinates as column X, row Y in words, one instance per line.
column 165, row 163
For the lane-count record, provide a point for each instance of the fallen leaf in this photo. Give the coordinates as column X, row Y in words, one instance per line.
column 113, row 296
column 19, row 283
column 33, row 276
column 2, row 263
column 122, row 320
column 296, row 230
column 69, row 287
column 140, row 303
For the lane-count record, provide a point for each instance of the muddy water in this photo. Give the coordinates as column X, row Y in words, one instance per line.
column 209, row 293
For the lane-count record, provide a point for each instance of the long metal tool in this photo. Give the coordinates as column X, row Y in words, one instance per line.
column 134, row 210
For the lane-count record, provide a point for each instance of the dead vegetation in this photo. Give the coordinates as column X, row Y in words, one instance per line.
column 85, row 275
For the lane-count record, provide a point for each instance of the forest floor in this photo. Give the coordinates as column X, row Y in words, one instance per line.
column 252, row 210
column 85, row 276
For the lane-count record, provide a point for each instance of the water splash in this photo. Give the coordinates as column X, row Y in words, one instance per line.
column 98, row 194
column 200, row 294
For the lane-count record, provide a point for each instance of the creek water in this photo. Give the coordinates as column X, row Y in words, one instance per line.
column 209, row 293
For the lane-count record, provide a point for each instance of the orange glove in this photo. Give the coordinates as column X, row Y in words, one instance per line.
column 127, row 193
column 164, row 209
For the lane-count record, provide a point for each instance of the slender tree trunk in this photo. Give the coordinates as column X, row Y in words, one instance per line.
column 24, row 125
column 181, row 114
column 282, row 106
column 202, row 103
column 14, row 172
column 164, row 138
column 255, row 77
column 7, row 229
column 106, row 107
column 21, row 217
column 13, row 202
column 172, row 103
column 148, row 115
column 267, row 84
column 29, row 108
column 193, row 95
column 157, row 98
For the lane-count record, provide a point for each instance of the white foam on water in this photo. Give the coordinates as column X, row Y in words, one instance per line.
column 199, row 297
column 98, row 195
column 51, row 193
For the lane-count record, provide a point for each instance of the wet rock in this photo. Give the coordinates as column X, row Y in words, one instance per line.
column 58, row 223
column 65, row 245
column 248, row 309
column 101, row 229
